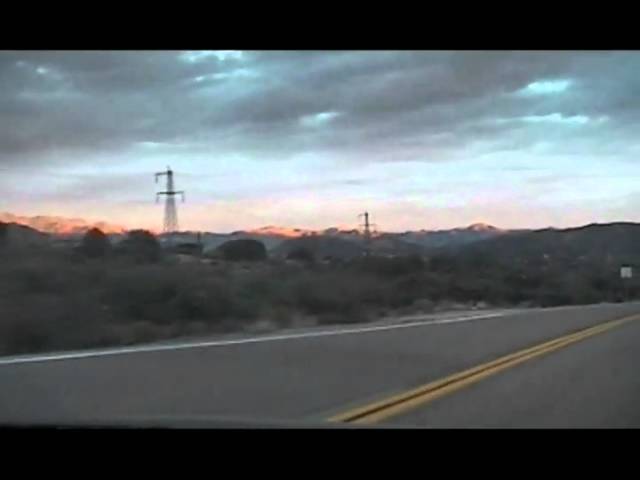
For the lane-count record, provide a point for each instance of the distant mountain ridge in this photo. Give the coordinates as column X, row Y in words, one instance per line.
column 608, row 244
column 381, row 242
column 603, row 244
column 278, row 231
column 60, row 225
column 272, row 235
column 16, row 235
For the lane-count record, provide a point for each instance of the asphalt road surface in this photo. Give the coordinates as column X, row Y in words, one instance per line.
column 319, row 377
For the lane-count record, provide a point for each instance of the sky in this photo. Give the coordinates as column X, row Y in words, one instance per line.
column 310, row 139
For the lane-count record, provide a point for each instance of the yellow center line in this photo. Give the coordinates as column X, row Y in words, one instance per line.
column 381, row 410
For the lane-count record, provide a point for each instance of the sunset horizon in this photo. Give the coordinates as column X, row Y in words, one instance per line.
column 422, row 140
column 78, row 224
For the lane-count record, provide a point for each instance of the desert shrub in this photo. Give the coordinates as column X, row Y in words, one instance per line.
column 243, row 250
column 139, row 332
column 329, row 293
column 39, row 273
column 391, row 267
column 301, row 254
column 280, row 315
column 424, row 305
column 210, row 301
column 353, row 315
column 143, row 292
column 43, row 322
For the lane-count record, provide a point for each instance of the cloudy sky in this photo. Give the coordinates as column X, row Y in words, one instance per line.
column 311, row 139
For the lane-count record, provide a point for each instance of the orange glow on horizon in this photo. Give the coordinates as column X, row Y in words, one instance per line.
column 61, row 225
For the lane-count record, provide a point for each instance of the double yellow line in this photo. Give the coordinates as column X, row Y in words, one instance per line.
column 381, row 410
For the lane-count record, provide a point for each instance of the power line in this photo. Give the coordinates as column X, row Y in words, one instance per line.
column 367, row 231
column 170, row 211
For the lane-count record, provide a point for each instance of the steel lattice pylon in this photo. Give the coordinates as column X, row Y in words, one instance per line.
column 170, row 211
column 367, row 232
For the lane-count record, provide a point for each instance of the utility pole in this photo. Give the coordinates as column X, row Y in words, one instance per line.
column 170, row 212
column 367, row 232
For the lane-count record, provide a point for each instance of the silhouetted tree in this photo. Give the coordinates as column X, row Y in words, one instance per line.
column 140, row 245
column 95, row 243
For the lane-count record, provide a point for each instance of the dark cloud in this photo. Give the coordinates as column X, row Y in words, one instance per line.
column 424, row 106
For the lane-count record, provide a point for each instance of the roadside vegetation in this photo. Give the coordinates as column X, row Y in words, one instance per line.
column 100, row 295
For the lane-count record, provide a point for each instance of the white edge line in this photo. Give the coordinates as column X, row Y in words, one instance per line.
column 240, row 341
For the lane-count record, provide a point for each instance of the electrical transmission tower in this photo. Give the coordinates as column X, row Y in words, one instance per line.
column 367, row 231
column 170, row 212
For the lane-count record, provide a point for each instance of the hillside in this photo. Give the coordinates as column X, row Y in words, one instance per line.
column 393, row 244
column 453, row 237
column 59, row 225
column 602, row 244
column 384, row 243
column 322, row 246
column 15, row 235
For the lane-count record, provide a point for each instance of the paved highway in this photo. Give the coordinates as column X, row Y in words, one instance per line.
column 561, row 367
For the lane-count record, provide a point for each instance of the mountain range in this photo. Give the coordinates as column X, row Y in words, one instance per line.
column 600, row 246
column 60, row 225
column 280, row 240
column 594, row 244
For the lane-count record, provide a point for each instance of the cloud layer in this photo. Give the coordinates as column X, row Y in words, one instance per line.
column 345, row 127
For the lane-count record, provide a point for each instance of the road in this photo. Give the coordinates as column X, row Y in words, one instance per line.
column 310, row 377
